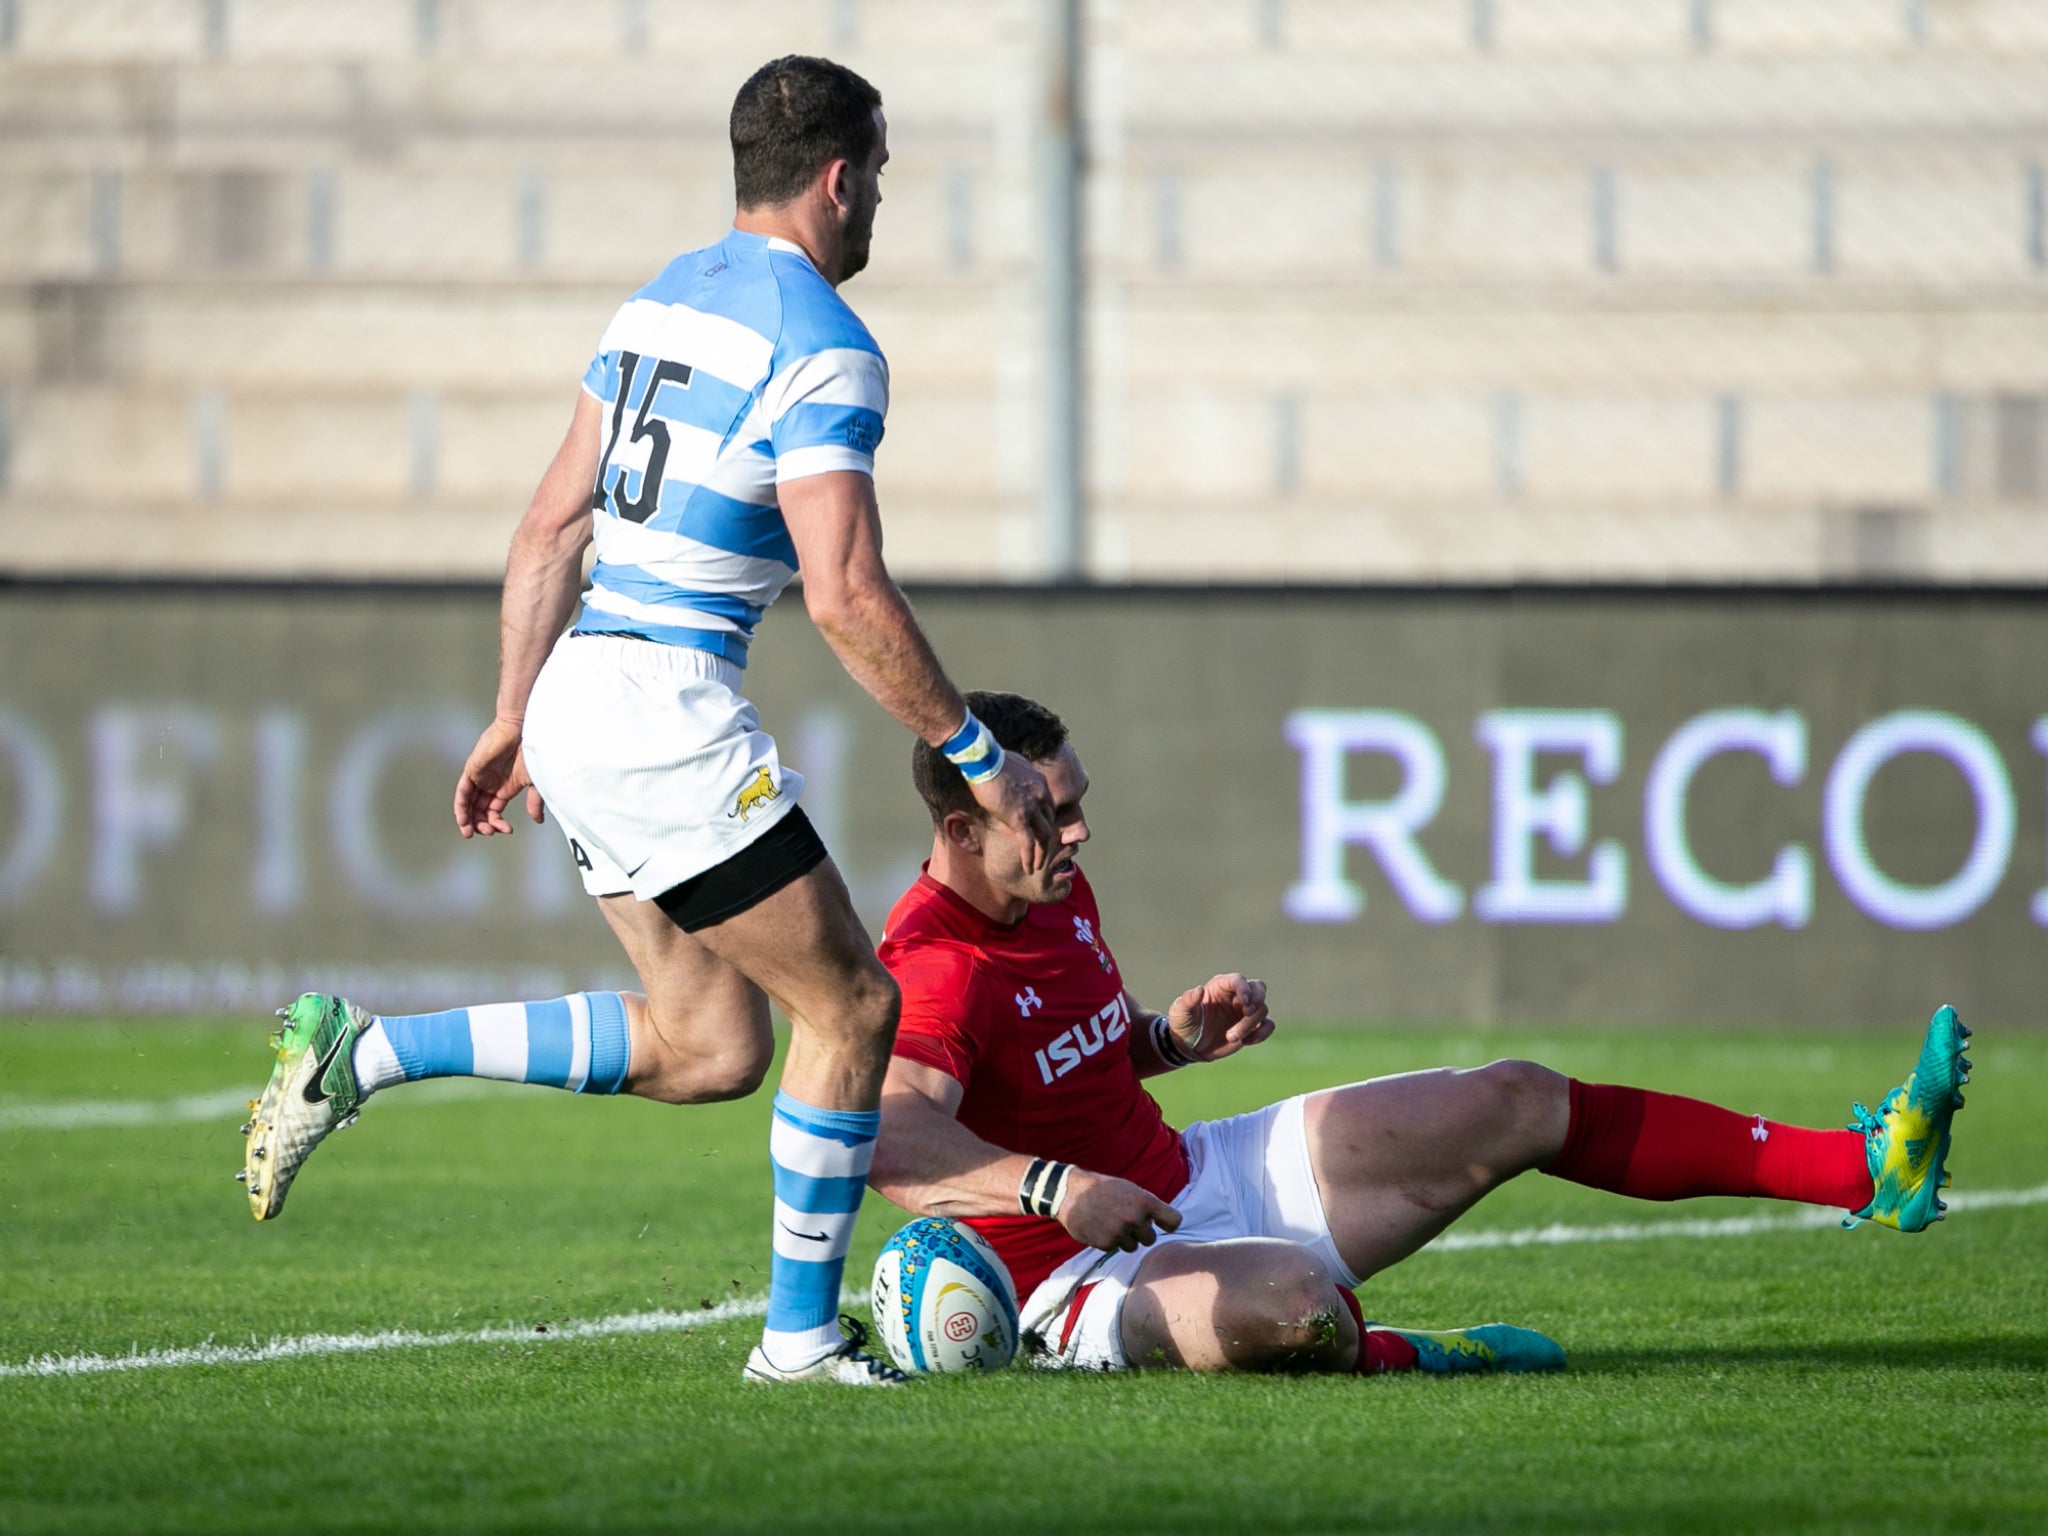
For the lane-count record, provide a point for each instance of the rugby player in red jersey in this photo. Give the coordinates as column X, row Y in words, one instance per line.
column 1013, row 1101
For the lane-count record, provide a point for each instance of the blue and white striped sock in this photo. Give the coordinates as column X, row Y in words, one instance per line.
column 579, row 1043
column 821, row 1159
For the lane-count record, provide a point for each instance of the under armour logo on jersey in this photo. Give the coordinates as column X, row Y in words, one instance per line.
column 1759, row 1131
column 1027, row 1000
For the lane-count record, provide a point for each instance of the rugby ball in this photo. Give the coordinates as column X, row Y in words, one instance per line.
column 943, row 1301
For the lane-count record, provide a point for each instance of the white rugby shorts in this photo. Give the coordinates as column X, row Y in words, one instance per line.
column 1248, row 1176
column 651, row 762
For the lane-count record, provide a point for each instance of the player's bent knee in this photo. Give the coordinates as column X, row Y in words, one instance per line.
column 1522, row 1102
column 874, row 1004
column 707, row 1078
column 1302, row 1322
column 1247, row 1305
column 856, row 1018
column 1521, row 1088
column 725, row 1078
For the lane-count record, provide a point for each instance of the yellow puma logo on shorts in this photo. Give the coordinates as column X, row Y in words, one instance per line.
column 757, row 794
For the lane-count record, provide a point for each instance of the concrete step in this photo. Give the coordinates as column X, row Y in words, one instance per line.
column 1305, row 539
column 499, row 30
column 528, row 336
column 1538, row 338
column 1310, row 340
column 1199, row 441
column 1165, row 212
column 639, row 106
column 1206, row 445
column 631, row 105
column 1720, row 213
column 94, row 444
column 876, row 32
column 463, row 218
column 1574, row 28
column 1495, row 541
column 1222, row 98
column 950, row 539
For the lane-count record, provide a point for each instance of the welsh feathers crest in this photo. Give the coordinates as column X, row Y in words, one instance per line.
column 1084, row 931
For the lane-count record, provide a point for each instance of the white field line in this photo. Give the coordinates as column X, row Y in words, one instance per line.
column 86, row 1114
column 307, row 1346
column 230, row 1104
column 1801, row 1220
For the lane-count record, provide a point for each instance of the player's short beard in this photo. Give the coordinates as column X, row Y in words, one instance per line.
column 860, row 234
column 1037, row 890
column 1048, row 883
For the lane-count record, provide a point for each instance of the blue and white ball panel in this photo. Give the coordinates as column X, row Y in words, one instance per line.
column 943, row 1302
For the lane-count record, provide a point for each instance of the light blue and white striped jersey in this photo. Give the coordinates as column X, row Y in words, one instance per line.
column 736, row 369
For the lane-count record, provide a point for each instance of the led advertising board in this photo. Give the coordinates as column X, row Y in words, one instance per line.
column 1677, row 809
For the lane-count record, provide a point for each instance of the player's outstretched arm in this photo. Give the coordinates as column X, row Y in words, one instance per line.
column 541, row 576
column 927, row 1161
column 837, row 529
column 1219, row 1018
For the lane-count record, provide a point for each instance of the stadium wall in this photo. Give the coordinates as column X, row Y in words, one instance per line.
column 1371, row 290
column 1559, row 806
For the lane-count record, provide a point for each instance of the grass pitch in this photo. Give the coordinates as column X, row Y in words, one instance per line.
column 1771, row 1380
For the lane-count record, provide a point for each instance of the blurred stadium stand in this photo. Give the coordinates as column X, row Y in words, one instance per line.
column 1406, row 290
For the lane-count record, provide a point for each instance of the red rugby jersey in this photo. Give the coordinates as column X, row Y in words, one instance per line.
column 1032, row 1019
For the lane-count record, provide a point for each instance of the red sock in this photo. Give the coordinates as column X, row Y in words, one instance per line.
column 1658, row 1146
column 1377, row 1351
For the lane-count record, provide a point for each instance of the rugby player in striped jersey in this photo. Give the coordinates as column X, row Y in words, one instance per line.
column 725, row 434
column 1015, row 1103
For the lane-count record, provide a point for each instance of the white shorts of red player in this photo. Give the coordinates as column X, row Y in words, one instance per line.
column 1248, row 1176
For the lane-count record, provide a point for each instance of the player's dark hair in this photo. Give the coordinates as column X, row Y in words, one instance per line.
column 1018, row 725
column 793, row 117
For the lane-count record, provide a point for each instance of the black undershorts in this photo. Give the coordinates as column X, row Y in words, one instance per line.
column 787, row 851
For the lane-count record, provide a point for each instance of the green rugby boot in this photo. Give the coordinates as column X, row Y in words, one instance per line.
column 312, row 1091
column 1483, row 1347
column 1906, row 1141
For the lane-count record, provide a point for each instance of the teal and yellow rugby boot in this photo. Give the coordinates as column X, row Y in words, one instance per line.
column 1906, row 1141
column 1483, row 1347
column 312, row 1091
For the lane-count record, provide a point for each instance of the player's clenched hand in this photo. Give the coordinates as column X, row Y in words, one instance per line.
column 495, row 772
column 1018, row 798
column 1221, row 1017
column 1111, row 1213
